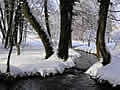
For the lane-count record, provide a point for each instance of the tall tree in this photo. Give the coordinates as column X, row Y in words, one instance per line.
column 2, row 27
column 18, row 26
column 47, row 16
column 65, row 33
column 10, row 32
column 9, row 10
column 100, row 40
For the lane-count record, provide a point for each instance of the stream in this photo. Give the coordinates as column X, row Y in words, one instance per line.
column 71, row 79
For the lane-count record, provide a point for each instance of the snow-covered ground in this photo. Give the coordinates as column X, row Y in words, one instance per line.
column 31, row 61
column 111, row 71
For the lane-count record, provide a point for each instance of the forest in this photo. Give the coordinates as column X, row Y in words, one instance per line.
column 44, row 37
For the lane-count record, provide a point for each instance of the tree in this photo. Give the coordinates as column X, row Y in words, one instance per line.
column 9, row 11
column 66, row 7
column 10, row 33
column 66, row 20
column 100, row 40
column 38, row 28
column 18, row 27
column 15, row 19
column 2, row 27
column 47, row 17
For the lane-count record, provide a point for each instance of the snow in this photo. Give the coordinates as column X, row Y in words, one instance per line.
column 31, row 61
column 92, row 48
column 111, row 71
column 94, row 69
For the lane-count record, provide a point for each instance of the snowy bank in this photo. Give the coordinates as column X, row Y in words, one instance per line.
column 109, row 72
column 33, row 62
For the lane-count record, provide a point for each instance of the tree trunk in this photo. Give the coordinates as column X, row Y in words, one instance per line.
column 7, row 9
column 18, row 28
column 10, row 29
column 10, row 13
column 9, row 55
column 70, row 24
column 47, row 17
column 39, row 29
column 65, row 33
column 3, row 29
column 100, row 40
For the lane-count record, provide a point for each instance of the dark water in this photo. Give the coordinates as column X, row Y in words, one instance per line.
column 72, row 79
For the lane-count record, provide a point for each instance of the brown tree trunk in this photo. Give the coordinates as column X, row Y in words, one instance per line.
column 39, row 29
column 100, row 40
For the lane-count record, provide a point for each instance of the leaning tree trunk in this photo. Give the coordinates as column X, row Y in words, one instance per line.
column 3, row 29
column 39, row 29
column 65, row 33
column 47, row 17
column 100, row 40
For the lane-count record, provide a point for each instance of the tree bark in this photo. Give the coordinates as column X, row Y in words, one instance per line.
column 38, row 28
column 100, row 40
column 9, row 54
column 65, row 33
